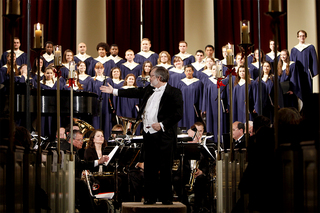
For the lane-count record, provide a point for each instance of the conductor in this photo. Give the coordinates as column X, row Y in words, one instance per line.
column 160, row 111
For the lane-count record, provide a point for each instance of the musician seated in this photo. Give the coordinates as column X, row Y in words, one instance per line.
column 118, row 128
column 238, row 135
column 196, row 132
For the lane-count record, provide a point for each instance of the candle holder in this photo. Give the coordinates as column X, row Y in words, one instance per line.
column 38, row 35
column 57, row 50
column 230, row 54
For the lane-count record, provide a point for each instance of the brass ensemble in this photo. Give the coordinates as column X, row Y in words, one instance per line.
column 194, row 165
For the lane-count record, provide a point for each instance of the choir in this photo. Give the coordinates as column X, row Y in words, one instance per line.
column 195, row 75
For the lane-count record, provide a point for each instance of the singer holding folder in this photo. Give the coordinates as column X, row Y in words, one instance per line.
column 161, row 108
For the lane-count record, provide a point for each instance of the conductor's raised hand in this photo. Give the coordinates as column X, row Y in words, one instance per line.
column 107, row 89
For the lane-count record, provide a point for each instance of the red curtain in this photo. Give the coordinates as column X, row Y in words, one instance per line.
column 123, row 24
column 229, row 13
column 163, row 22
column 57, row 16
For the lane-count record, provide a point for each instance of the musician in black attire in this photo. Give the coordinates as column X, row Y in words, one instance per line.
column 161, row 109
column 238, row 135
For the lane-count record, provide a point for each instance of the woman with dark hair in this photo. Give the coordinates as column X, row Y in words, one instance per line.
column 6, row 69
column 84, row 79
column 254, row 66
column 146, row 69
column 67, row 57
column 95, row 146
column 34, row 69
column 177, row 72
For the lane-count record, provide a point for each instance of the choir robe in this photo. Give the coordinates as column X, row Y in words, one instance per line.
column 127, row 107
column 250, row 58
column 117, row 84
column 140, row 82
column 239, row 104
column 106, row 114
column 141, row 57
column 270, row 58
column 210, row 106
column 21, row 57
column 167, row 66
column 186, row 58
column 204, row 75
column 3, row 73
column 290, row 100
column 86, row 82
column 254, row 70
column 85, row 58
column 22, row 79
column 47, row 59
column 108, row 64
column 197, row 68
column 117, row 60
column 64, row 71
column 130, row 68
column 175, row 75
column 266, row 104
column 305, row 58
column 192, row 96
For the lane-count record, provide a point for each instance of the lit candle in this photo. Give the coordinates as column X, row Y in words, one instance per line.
column 229, row 55
column 72, row 68
column 57, row 56
column 245, row 33
column 38, row 36
column 275, row 6
column 13, row 7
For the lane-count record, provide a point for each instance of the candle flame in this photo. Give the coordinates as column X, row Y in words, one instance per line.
column 243, row 24
column 38, row 26
column 229, row 45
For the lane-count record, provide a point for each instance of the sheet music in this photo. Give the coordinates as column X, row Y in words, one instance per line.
column 111, row 154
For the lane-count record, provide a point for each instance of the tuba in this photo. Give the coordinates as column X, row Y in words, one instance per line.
column 84, row 128
column 130, row 125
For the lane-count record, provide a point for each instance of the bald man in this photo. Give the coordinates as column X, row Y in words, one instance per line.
column 82, row 55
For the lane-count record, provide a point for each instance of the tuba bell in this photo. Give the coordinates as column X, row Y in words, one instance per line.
column 84, row 128
column 130, row 125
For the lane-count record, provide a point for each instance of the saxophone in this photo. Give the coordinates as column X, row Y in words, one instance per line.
column 194, row 164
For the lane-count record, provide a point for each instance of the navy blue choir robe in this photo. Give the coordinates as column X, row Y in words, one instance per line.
column 210, row 106
column 117, row 84
column 191, row 90
column 197, row 68
column 106, row 114
column 175, row 75
column 290, row 100
column 306, row 61
column 204, row 75
column 22, row 79
column 130, row 68
column 250, row 58
column 186, row 58
column 117, row 60
column 239, row 102
column 85, row 58
column 254, row 70
column 65, row 71
column 140, row 83
column 21, row 58
column 266, row 104
column 167, row 66
column 270, row 58
column 108, row 64
column 141, row 57
column 127, row 107
column 86, row 83
column 3, row 73
column 47, row 59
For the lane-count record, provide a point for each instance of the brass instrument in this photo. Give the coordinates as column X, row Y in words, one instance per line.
column 176, row 164
column 129, row 124
column 84, row 127
column 194, row 165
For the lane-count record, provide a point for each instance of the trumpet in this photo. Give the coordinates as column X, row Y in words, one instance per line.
column 194, row 164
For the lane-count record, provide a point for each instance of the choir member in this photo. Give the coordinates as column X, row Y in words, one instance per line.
column 21, row 57
column 76, row 85
column 305, row 57
column 103, row 49
column 287, row 71
column 270, row 56
column 224, row 54
column 146, row 54
column 5, row 70
column 82, row 55
column 186, row 57
column 254, row 66
column 191, row 89
column 115, row 75
column 207, row 70
column 177, row 72
column 34, row 69
column 48, row 56
column 144, row 79
column 239, row 96
column 23, row 75
column 198, row 65
column 99, row 80
column 114, row 51
column 164, row 60
column 66, row 59
column 209, row 51
column 210, row 104
column 130, row 67
column 84, row 79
